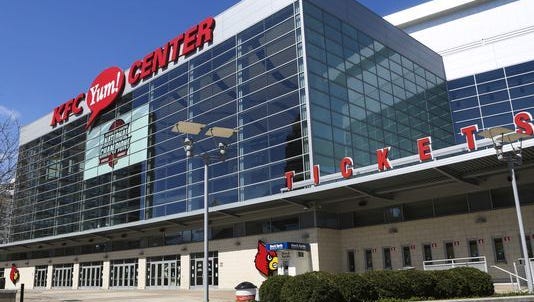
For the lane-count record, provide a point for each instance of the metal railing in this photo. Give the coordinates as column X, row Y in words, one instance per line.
column 444, row 264
column 514, row 277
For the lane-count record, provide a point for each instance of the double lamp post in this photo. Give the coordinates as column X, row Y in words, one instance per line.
column 216, row 154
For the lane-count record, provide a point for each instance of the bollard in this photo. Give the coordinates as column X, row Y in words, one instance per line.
column 22, row 292
column 245, row 292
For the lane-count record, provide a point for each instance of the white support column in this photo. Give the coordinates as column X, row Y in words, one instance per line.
column 106, row 268
column 141, row 273
column 185, row 269
column 75, row 275
column 49, row 275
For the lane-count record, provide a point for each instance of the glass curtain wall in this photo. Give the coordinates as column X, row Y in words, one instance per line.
column 365, row 96
column 253, row 82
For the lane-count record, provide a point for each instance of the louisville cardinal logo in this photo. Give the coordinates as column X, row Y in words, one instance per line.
column 14, row 274
column 266, row 261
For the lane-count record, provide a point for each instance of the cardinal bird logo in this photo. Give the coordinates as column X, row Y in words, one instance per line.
column 266, row 261
column 14, row 274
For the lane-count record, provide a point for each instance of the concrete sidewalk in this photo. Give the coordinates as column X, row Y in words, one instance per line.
column 94, row 295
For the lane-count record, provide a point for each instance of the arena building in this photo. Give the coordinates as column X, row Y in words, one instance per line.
column 344, row 155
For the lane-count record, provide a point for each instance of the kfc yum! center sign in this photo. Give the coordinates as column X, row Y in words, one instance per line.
column 109, row 85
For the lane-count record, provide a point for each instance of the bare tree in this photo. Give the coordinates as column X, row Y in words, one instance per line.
column 9, row 135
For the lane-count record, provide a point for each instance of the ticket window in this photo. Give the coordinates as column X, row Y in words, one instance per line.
column 292, row 262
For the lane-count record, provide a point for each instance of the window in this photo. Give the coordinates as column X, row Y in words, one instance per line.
column 406, row 256
column 498, row 247
column 449, row 250
column 368, row 260
column 350, row 261
column 427, row 252
column 387, row 258
column 473, row 250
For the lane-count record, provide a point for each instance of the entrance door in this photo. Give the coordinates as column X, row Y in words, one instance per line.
column 40, row 276
column 164, row 274
column 197, row 269
column 124, row 275
column 91, row 274
column 62, row 276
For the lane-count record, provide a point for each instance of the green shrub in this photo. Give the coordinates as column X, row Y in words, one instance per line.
column 422, row 283
column 390, row 284
column 449, row 284
column 480, row 283
column 355, row 288
column 270, row 289
column 311, row 287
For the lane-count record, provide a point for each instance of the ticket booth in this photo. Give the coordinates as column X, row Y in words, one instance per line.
column 293, row 258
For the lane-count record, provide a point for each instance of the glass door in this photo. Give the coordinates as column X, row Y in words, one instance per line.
column 91, row 274
column 62, row 275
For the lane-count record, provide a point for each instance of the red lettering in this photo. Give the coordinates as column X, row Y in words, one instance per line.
column 205, row 31
column 175, row 45
column 523, row 123
column 190, row 40
column 57, row 116
column 62, row 113
column 469, row 133
column 289, row 179
column 76, row 108
column 67, row 110
column 346, row 167
column 382, row 159
column 424, row 146
column 146, row 68
column 161, row 56
column 316, row 175
column 134, row 76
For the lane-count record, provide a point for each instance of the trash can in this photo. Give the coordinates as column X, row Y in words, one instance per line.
column 245, row 291
column 2, row 283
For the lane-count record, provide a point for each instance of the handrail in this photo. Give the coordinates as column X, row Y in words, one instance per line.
column 509, row 273
column 477, row 262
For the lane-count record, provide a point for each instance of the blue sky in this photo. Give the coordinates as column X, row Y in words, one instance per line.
column 52, row 50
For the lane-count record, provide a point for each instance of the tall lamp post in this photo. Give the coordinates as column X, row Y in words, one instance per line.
column 513, row 158
column 190, row 128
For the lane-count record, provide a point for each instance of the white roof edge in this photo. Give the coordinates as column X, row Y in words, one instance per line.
column 426, row 11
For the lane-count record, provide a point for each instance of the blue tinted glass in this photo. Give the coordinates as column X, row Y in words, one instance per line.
column 464, row 103
column 521, row 79
column 462, row 93
column 466, row 114
column 522, row 91
column 496, row 108
column 491, row 86
column 493, row 97
column 522, row 103
column 520, row 68
column 498, row 120
column 462, row 82
column 490, row 75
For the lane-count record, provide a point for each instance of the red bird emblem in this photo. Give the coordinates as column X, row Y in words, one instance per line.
column 14, row 275
column 266, row 261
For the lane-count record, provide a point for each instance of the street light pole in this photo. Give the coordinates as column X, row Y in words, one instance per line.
column 513, row 157
column 206, row 241
column 521, row 228
column 191, row 128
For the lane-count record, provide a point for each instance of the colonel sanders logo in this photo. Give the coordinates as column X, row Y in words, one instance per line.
column 14, row 274
column 266, row 261
column 116, row 143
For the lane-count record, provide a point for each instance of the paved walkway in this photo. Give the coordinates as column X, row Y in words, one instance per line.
column 94, row 295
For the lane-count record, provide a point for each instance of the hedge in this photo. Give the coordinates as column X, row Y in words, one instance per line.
column 372, row 286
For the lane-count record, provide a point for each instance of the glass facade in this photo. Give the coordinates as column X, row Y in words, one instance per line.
column 364, row 96
column 491, row 99
column 252, row 82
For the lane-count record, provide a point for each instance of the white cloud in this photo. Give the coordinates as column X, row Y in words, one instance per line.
column 4, row 111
